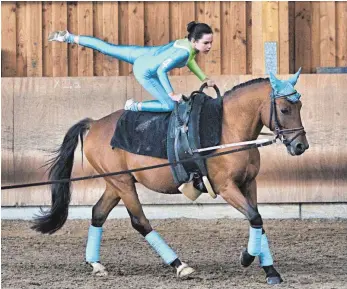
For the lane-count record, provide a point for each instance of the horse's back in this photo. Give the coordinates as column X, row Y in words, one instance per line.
column 101, row 132
column 106, row 125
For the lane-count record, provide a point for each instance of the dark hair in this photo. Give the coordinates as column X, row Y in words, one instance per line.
column 197, row 30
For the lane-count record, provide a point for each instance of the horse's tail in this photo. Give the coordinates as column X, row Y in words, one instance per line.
column 60, row 168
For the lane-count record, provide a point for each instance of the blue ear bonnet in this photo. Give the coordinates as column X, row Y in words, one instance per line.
column 285, row 87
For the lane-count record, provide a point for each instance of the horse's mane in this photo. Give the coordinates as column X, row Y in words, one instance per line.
column 244, row 84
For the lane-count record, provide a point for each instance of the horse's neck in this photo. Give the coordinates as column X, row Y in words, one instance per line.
column 241, row 116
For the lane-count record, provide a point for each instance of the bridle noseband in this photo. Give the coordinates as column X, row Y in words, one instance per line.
column 280, row 132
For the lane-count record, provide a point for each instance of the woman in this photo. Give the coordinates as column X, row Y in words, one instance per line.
column 152, row 63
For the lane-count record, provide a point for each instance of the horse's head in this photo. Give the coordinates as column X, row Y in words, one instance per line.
column 284, row 118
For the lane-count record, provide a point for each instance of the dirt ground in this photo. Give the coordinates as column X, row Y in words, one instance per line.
column 307, row 253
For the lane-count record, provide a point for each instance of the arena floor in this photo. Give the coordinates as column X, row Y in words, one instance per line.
column 307, row 253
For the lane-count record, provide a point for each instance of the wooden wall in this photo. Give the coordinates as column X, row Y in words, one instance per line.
column 320, row 34
column 37, row 112
column 309, row 34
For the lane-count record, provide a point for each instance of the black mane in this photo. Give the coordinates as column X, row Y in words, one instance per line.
column 244, row 84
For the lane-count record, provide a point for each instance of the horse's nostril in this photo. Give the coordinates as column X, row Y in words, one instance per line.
column 300, row 147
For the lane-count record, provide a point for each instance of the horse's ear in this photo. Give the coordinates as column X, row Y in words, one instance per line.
column 275, row 83
column 295, row 77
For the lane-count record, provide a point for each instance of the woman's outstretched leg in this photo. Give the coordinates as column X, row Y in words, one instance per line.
column 127, row 53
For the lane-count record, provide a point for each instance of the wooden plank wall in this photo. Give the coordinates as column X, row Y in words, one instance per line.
column 85, row 27
column 8, row 32
column 309, row 34
column 59, row 52
column 34, row 38
column 271, row 23
column 320, row 35
column 27, row 138
column 341, row 33
column 181, row 13
column 7, row 137
column 72, row 25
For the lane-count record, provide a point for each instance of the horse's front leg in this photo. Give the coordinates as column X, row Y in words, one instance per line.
column 245, row 200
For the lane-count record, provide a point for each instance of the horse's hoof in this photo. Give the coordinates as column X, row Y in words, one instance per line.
column 101, row 274
column 98, row 269
column 246, row 259
column 272, row 276
column 184, row 270
column 274, row 280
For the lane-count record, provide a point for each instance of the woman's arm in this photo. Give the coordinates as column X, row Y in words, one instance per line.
column 169, row 64
column 193, row 67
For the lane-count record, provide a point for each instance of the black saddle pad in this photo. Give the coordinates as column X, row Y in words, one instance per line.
column 142, row 133
column 145, row 133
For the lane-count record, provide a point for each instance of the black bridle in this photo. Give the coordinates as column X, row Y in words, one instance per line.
column 279, row 130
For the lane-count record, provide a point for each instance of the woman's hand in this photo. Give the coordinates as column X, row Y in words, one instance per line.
column 210, row 82
column 176, row 96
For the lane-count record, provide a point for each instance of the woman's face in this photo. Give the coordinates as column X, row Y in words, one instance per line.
column 204, row 44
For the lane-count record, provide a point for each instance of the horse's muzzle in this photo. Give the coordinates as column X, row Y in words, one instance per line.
column 297, row 148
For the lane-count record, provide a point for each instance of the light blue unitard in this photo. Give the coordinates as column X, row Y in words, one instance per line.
column 151, row 65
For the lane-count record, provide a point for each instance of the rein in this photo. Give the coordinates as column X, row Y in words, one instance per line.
column 280, row 132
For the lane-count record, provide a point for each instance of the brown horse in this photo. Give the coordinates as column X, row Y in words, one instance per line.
column 246, row 109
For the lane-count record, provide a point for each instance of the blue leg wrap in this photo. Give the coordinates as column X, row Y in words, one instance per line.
column 265, row 257
column 160, row 246
column 93, row 244
column 254, row 241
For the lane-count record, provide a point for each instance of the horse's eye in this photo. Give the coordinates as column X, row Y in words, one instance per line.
column 285, row 110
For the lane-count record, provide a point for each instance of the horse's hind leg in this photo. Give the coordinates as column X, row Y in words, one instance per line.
column 141, row 224
column 103, row 207
column 245, row 200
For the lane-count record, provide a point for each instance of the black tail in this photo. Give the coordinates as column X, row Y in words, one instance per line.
column 60, row 168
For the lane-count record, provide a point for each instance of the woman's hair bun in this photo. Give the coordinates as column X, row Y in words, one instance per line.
column 191, row 25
